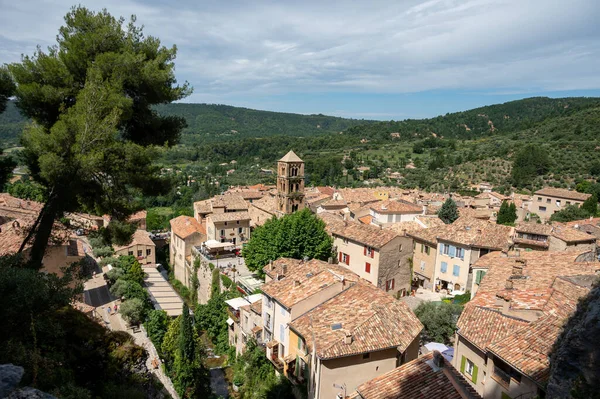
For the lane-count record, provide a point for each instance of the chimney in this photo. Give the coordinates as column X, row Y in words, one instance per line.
column 348, row 338
column 517, row 270
column 284, row 269
column 296, row 283
column 438, row 359
column 509, row 284
column 271, row 265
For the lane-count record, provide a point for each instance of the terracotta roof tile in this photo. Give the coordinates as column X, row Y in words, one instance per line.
column 396, row 207
column 276, row 268
column 365, row 234
column 304, row 280
column 416, row 379
column 140, row 237
column 570, row 234
column 374, row 319
column 185, row 226
column 562, row 193
column 366, row 219
column 534, row 228
column 228, row 216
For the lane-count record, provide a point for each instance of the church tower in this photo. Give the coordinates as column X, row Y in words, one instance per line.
column 290, row 184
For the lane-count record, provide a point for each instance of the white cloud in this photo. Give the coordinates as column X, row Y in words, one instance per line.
column 229, row 49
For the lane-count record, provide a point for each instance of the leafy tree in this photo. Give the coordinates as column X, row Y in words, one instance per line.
column 128, row 289
column 595, row 169
column 507, row 214
column 590, row 205
column 532, row 161
column 103, row 252
column 448, row 212
column 91, row 96
column 27, row 189
column 298, row 235
column 439, row 320
column 7, row 87
column 570, row 213
column 133, row 311
column 132, row 269
column 157, row 323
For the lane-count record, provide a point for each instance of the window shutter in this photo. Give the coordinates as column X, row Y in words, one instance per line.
column 478, row 277
column 372, row 252
column 365, row 251
column 368, row 267
column 393, row 283
column 474, row 379
column 299, row 344
column 463, row 361
column 340, row 256
column 347, row 259
column 452, row 251
column 441, row 249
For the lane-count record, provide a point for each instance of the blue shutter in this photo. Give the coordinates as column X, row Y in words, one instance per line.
column 441, row 249
column 456, row 270
column 452, row 251
column 444, row 267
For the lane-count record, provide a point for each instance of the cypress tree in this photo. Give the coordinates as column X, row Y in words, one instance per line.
column 448, row 212
column 186, row 335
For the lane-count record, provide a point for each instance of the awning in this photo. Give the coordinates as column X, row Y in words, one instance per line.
column 271, row 344
column 214, row 244
column 289, row 358
column 230, row 321
column 256, row 329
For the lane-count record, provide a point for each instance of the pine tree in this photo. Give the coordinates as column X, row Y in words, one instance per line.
column 448, row 212
column 512, row 213
column 502, row 213
column 590, row 205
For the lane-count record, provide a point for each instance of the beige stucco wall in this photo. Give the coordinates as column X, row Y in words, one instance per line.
column 358, row 259
column 394, row 263
column 258, row 216
column 451, row 261
column 143, row 258
column 178, row 251
column 56, row 258
column 556, row 244
column 353, row 371
column 424, row 264
column 231, row 230
column 471, row 352
column 494, row 389
column 550, row 203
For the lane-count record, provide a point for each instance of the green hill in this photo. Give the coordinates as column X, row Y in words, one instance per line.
column 210, row 122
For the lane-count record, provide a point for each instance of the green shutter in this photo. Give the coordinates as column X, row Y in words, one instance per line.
column 474, row 376
column 505, row 396
column 299, row 343
column 462, row 364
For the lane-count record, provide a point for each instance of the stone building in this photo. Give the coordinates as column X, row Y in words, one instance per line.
column 290, row 184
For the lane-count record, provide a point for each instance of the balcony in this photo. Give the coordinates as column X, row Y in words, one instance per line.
column 273, row 354
column 501, row 377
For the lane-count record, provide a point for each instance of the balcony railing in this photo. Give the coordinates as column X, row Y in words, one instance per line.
column 502, row 377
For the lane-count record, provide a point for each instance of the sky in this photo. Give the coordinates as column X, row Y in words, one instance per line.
column 371, row 59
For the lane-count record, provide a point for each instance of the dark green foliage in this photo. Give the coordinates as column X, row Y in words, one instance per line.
column 439, row 320
column 255, row 373
column 181, row 289
column 133, row 311
column 595, row 169
column 7, row 87
column 131, row 268
column 570, row 213
column 63, row 351
column 128, row 289
column 186, row 334
column 156, row 324
column 507, row 214
column 462, row 299
column 590, row 205
column 102, row 252
column 297, row 236
column 529, row 163
column 448, row 213
column 27, row 189
column 226, row 281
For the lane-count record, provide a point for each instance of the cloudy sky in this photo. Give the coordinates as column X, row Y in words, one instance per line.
column 366, row 59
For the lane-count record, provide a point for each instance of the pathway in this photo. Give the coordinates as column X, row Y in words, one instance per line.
column 161, row 292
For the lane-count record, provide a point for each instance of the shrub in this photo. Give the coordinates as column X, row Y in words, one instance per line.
column 133, row 311
column 226, row 281
column 157, row 323
column 439, row 320
column 180, row 288
column 103, row 252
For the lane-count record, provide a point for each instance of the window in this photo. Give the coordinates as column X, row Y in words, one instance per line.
column 268, row 321
column 469, row 369
column 390, row 284
column 222, row 233
column 444, row 267
column 456, row 270
column 281, row 334
column 568, row 202
column 460, row 253
column 452, row 251
column 148, row 252
column 446, row 248
column 427, row 249
column 240, row 230
column 345, row 240
column 225, row 223
column 367, row 267
column 139, row 252
column 130, row 253
column 558, row 203
column 368, row 251
column 479, row 275
column 539, row 198
column 548, row 200
column 344, row 258
column 283, row 311
column 422, row 265
column 366, row 355
column 245, row 320
column 542, row 208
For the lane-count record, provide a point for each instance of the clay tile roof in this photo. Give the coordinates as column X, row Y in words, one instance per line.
column 229, row 216
column 185, row 226
column 374, row 319
column 139, row 215
column 256, row 307
column 276, row 268
column 267, row 204
column 326, row 190
column 366, row 219
column 477, row 233
column 416, row 379
column 365, row 234
column 549, row 284
column 534, row 228
column 562, row 193
column 427, row 235
column 304, row 280
column 569, row 234
column 247, row 195
column 332, row 221
column 290, row 157
column 229, row 201
column 396, row 207
column 140, row 237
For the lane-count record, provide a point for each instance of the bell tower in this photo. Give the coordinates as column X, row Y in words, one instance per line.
column 290, row 184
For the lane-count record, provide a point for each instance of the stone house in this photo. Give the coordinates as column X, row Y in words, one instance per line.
column 186, row 232
column 548, row 200
column 141, row 246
